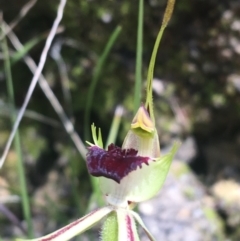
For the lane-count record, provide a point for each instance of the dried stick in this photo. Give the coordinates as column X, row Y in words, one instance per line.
column 23, row 12
column 51, row 97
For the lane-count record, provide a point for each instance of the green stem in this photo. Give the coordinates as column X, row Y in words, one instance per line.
column 166, row 18
column 138, row 73
column 17, row 142
column 95, row 78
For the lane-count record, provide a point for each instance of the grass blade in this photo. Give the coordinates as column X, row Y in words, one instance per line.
column 95, row 78
column 115, row 126
column 17, row 141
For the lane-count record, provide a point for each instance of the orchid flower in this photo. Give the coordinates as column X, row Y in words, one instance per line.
column 127, row 175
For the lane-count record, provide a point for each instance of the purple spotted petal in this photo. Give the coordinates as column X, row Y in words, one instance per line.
column 115, row 163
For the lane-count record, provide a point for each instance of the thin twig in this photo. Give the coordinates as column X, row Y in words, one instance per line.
column 34, row 79
column 23, row 12
column 51, row 97
column 5, row 111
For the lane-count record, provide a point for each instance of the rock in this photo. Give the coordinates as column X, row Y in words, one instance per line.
column 227, row 194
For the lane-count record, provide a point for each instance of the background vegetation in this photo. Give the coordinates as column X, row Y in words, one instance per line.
column 196, row 93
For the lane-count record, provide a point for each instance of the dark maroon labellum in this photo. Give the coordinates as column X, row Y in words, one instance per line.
column 115, row 163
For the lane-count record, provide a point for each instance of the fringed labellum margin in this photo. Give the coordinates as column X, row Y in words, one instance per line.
column 115, row 163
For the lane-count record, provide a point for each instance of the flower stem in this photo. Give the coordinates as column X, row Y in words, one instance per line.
column 166, row 18
column 138, row 73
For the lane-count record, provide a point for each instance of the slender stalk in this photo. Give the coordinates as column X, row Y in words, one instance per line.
column 17, row 141
column 166, row 18
column 138, row 72
column 96, row 75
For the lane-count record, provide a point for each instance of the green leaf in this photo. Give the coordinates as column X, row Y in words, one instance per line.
column 96, row 75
